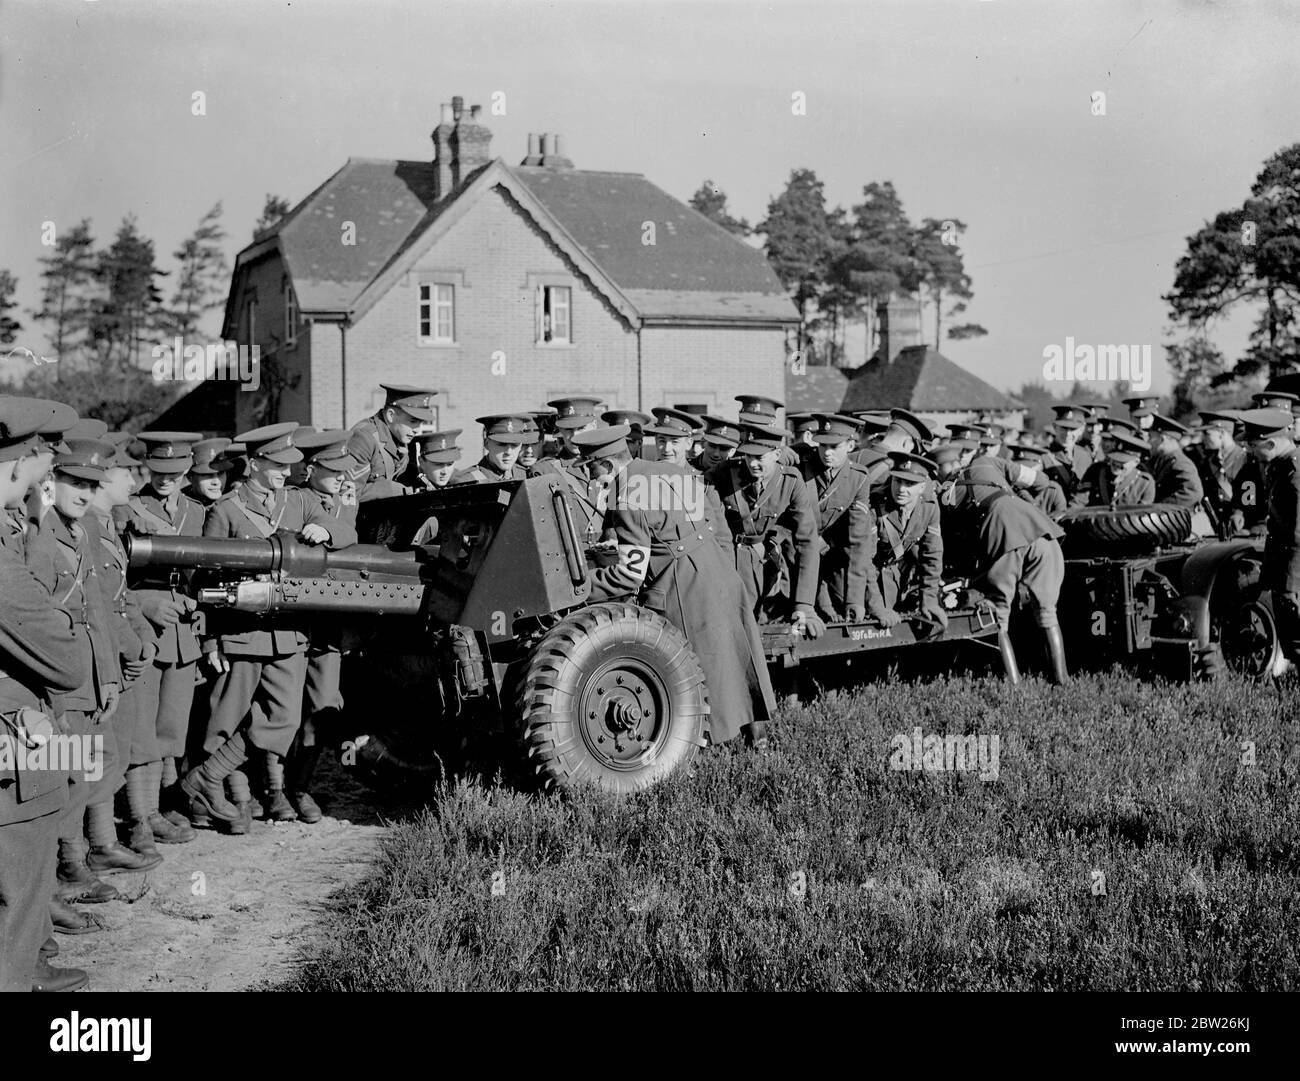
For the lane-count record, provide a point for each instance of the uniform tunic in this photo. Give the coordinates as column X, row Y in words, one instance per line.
column 585, row 494
column 267, row 653
column 40, row 656
column 669, row 562
column 775, row 535
column 382, row 461
column 847, row 528
column 1219, row 472
column 1101, row 489
column 1177, row 481
column 165, row 690
column 909, row 553
column 484, row 472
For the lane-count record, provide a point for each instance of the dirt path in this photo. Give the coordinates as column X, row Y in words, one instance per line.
column 227, row 913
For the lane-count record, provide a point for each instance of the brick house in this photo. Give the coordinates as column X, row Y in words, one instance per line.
column 501, row 286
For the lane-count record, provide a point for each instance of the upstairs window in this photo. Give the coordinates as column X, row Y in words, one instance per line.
column 290, row 315
column 554, row 305
column 438, row 313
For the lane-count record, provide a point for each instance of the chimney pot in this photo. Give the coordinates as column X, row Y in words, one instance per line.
column 457, row 106
column 548, row 145
column 474, row 111
column 534, row 156
column 447, row 118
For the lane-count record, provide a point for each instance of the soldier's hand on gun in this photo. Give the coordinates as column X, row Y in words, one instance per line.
column 807, row 623
column 933, row 610
column 314, row 533
column 163, row 610
column 886, row 617
column 216, row 662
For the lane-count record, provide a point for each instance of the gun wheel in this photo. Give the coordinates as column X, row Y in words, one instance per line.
column 612, row 696
column 1248, row 637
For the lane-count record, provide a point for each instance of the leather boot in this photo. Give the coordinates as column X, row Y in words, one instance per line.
column 76, row 881
column 1056, row 654
column 203, row 784
column 72, row 921
column 117, row 857
column 139, row 803
column 300, row 769
column 48, row 978
column 278, row 807
column 167, row 829
column 1009, row 666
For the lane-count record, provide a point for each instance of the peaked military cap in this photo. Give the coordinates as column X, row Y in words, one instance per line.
column 417, row 401
column 834, row 428
column 633, row 418
column 439, row 446
column 1026, row 452
column 1225, row 419
column 603, row 442
column 328, row 448
column 720, row 432
column 85, row 459
column 21, row 422
column 87, row 429
column 1125, row 445
column 911, row 424
column 274, row 442
column 1071, row 415
column 575, row 412
column 208, row 460
column 60, row 418
column 972, row 432
column 873, row 420
column 1110, row 424
column 912, row 468
column 1267, row 423
column 801, row 422
column 169, row 452
column 760, row 438
column 1275, row 399
column 674, row 423
column 1168, row 425
column 950, row 451
column 755, row 409
column 1142, row 404
column 510, row 427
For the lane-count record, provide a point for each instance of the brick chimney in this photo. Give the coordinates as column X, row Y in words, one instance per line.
column 534, row 156
column 471, row 142
column 553, row 156
column 442, row 184
column 900, row 327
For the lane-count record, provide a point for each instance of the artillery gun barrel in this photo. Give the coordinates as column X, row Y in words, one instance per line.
column 279, row 555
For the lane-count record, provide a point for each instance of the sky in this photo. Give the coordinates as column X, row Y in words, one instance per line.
column 979, row 110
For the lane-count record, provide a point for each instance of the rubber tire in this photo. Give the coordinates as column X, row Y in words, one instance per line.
column 1105, row 530
column 552, row 682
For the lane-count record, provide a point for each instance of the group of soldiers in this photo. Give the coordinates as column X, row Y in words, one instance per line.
column 208, row 720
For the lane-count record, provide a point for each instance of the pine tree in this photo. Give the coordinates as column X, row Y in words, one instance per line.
column 800, row 242
column 130, row 309
column 274, row 210
column 67, row 294
column 9, row 326
column 201, row 277
column 711, row 201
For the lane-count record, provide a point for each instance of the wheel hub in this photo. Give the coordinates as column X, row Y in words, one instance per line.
column 623, row 714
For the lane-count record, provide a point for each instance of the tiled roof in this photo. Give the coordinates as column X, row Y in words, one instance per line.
column 818, row 389
column 208, row 408
column 693, row 270
column 924, row 381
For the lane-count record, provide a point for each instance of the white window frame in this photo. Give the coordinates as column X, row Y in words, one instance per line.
column 430, row 297
column 290, row 314
column 551, row 291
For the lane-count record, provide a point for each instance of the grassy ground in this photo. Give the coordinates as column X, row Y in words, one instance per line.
column 1125, row 844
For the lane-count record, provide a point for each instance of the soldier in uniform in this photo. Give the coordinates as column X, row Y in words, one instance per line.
column 1119, row 479
column 1012, row 544
column 40, row 656
column 1049, row 498
column 137, row 761
column 1068, row 459
column 328, row 487
column 667, row 562
column 259, row 662
column 772, row 518
column 1142, row 410
column 1219, row 463
column 909, row 541
column 572, row 415
column 1177, row 481
column 166, row 687
column 635, row 420
column 802, row 427
column 674, row 434
column 503, row 435
column 1270, row 436
column 208, row 471
column 64, row 555
column 381, row 443
column 756, row 409
column 720, row 439
column 437, row 454
column 847, row 587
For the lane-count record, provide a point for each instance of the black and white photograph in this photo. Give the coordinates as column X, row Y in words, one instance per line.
column 643, row 495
